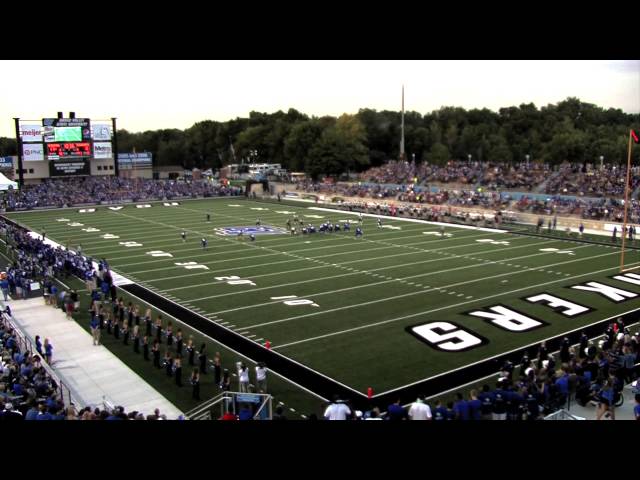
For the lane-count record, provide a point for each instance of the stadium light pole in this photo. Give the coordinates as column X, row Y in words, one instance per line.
column 527, row 157
column 19, row 146
column 601, row 162
column 115, row 147
column 469, row 157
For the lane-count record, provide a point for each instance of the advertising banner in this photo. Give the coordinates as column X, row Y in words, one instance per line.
column 33, row 152
column 31, row 133
column 102, row 150
column 101, row 131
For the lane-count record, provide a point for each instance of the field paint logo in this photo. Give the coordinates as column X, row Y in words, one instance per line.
column 285, row 212
column 446, row 336
column 233, row 205
column 172, row 204
column 235, row 280
column 143, row 206
column 116, row 208
column 560, row 305
column 493, row 242
column 90, row 230
column 262, row 230
column 437, row 234
column 130, row 244
column 76, row 224
column 557, row 250
column 313, row 216
column 159, row 253
column 614, row 294
column 391, row 227
column 292, row 303
column 508, row 319
column 108, row 236
column 87, row 210
column 192, row 266
column 258, row 208
column 62, row 220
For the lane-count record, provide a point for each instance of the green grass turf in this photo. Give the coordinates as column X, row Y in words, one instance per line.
column 366, row 290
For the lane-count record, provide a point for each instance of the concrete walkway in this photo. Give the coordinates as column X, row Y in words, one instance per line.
column 92, row 373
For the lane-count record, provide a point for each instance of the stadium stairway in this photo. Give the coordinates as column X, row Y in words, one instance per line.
column 93, row 373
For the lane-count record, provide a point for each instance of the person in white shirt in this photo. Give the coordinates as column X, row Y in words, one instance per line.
column 419, row 410
column 337, row 411
column 261, row 378
column 243, row 377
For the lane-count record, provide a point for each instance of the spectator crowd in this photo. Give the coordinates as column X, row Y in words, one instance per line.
column 108, row 189
column 590, row 373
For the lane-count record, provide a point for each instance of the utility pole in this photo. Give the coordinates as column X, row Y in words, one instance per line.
column 402, row 128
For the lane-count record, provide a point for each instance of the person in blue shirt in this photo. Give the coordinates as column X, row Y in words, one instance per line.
column 358, row 232
column 475, row 406
column 440, row 412
column 32, row 413
column 636, row 409
column 396, row 412
column 461, row 407
column 4, row 285
column 43, row 413
column 39, row 346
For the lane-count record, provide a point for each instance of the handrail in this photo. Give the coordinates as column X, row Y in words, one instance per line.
column 65, row 391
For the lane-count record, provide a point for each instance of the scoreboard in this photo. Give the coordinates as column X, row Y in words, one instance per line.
column 59, row 151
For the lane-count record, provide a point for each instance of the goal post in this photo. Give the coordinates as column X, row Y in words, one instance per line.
column 628, row 266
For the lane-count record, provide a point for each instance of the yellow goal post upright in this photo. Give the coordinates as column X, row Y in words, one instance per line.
column 633, row 137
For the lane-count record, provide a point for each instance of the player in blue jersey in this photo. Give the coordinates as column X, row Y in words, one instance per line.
column 358, row 232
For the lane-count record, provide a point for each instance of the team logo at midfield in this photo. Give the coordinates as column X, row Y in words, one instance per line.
column 248, row 230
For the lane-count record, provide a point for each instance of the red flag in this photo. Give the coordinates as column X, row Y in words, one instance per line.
column 635, row 136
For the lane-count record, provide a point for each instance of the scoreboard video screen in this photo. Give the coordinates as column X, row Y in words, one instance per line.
column 59, row 151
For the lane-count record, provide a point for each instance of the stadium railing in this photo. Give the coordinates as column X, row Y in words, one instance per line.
column 563, row 414
column 27, row 344
column 216, row 407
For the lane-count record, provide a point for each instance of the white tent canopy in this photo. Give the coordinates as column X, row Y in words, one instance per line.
column 5, row 183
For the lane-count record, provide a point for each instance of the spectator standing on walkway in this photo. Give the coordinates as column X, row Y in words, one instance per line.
column 125, row 333
column 4, row 285
column 48, row 350
column 95, row 330
column 39, row 346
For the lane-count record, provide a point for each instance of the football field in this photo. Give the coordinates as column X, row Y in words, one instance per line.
column 401, row 306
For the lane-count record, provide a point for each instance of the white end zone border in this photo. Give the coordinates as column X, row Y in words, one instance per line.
column 413, row 220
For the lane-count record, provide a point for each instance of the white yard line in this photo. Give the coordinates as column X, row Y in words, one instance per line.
column 426, row 312
column 390, row 280
column 353, row 272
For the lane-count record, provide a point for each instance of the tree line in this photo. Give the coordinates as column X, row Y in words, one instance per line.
column 568, row 131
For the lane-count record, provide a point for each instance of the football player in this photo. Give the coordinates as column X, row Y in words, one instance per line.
column 358, row 232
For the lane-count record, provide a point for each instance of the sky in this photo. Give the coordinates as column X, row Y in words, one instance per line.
column 148, row 95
